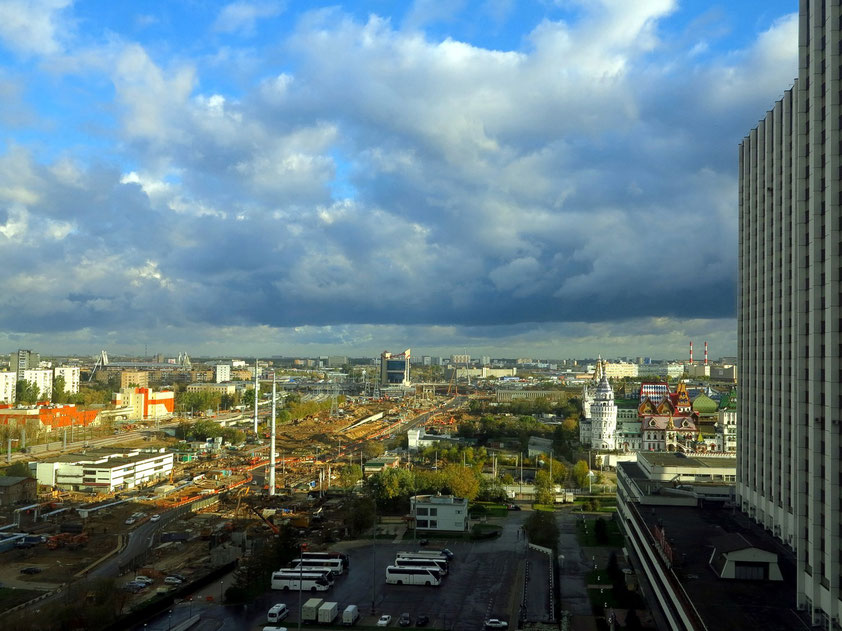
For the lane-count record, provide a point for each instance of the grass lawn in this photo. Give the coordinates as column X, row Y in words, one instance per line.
column 545, row 507
column 598, row 600
column 599, row 577
column 488, row 509
column 12, row 597
column 587, row 537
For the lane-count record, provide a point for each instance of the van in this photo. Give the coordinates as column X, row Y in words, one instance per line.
column 277, row 613
column 350, row 615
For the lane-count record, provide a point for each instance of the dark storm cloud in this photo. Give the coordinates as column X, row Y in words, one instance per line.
column 583, row 179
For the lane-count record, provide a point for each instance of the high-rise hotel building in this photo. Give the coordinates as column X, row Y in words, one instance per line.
column 790, row 315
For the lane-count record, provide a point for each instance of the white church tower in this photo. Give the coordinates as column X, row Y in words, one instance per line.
column 603, row 416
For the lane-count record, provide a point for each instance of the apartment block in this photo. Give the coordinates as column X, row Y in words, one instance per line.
column 71, row 376
column 8, row 385
column 790, row 316
column 43, row 378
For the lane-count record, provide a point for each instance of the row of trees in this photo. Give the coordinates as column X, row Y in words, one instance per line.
column 392, row 488
column 204, row 429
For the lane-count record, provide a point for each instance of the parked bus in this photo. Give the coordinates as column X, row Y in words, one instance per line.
column 327, row 555
column 334, row 565
column 289, row 578
column 445, row 554
column 436, row 564
column 412, row 576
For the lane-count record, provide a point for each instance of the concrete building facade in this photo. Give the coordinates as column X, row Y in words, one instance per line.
column 790, row 316
column 43, row 378
column 23, row 360
column 8, row 387
column 71, row 376
column 222, row 373
column 440, row 512
column 394, row 369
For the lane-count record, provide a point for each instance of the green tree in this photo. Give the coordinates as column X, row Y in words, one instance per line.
column 541, row 528
column 59, row 386
column 349, row 475
column 372, row 449
column 544, row 488
column 26, row 392
column 580, row 473
column 248, row 399
column 462, row 482
column 560, row 472
column 18, row 470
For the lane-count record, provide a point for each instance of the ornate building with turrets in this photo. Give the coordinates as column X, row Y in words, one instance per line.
column 599, row 426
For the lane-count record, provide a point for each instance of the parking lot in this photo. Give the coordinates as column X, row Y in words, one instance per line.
column 484, row 580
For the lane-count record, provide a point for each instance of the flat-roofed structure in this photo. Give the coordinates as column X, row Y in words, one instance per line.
column 104, row 471
column 440, row 512
column 678, row 522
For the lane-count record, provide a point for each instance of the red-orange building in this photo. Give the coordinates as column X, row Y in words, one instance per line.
column 49, row 417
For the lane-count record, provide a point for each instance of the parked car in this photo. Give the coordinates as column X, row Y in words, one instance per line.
column 178, row 576
column 422, row 620
column 134, row 587
column 496, row 623
column 130, row 521
column 155, row 518
column 384, row 621
column 143, row 579
column 30, row 570
column 173, row 580
column 404, row 620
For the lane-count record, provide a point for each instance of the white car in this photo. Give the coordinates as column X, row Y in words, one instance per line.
column 173, row 580
column 384, row 621
column 155, row 518
column 130, row 521
column 143, row 579
column 495, row 623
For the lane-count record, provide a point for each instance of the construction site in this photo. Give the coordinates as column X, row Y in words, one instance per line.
column 210, row 509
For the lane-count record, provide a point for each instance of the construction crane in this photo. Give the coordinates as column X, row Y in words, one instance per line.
column 452, row 387
column 274, row 528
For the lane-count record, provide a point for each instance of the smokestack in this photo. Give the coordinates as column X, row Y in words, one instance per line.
column 691, row 352
column 706, row 353
column 272, row 442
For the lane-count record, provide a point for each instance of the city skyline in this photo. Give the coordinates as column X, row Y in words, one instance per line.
column 255, row 178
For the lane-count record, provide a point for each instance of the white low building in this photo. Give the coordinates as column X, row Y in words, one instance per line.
column 440, row 513
column 104, row 471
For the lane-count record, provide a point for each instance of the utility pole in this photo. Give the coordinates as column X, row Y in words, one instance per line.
column 256, row 393
column 272, row 442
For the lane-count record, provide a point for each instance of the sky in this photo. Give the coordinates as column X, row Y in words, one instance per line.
column 516, row 179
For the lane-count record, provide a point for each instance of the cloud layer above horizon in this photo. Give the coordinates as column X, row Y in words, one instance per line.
column 507, row 173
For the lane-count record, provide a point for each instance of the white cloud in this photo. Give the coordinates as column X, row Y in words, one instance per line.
column 242, row 16
column 32, row 27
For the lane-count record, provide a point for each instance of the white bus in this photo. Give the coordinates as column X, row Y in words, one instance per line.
column 327, row 555
column 412, row 576
column 445, row 554
column 435, row 564
column 289, row 578
column 333, row 565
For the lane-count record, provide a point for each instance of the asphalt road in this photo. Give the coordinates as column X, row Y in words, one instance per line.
column 482, row 583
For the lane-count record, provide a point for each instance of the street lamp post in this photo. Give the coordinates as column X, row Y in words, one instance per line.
column 374, row 558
